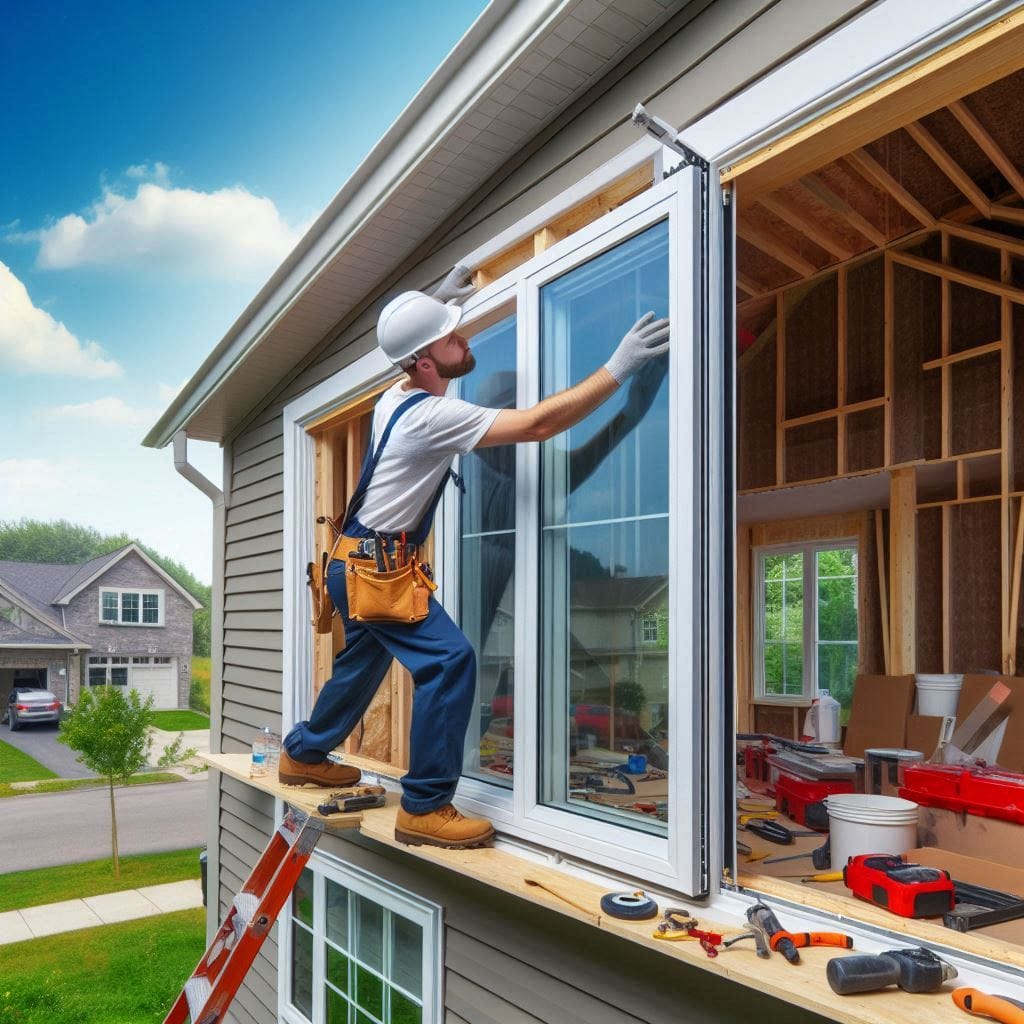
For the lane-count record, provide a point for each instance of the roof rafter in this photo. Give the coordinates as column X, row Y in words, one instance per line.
column 988, row 145
column 949, row 167
column 795, row 218
column 774, row 248
column 821, row 191
column 867, row 165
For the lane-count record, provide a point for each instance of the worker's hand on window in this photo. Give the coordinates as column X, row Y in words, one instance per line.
column 457, row 285
column 646, row 339
column 644, row 386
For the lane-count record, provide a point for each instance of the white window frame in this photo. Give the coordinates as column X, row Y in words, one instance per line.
column 669, row 859
column 160, row 594
column 108, row 663
column 429, row 916
column 809, row 550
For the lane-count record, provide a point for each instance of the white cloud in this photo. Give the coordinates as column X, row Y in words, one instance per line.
column 29, row 480
column 157, row 172
column 32, row 340
column 229, row 233
column 109, row 411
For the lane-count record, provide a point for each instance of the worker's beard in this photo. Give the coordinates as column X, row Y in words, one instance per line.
column 452, row 371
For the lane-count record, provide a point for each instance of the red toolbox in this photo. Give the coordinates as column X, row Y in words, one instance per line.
column 986, row 792
column 755, row 760
column 793, row 796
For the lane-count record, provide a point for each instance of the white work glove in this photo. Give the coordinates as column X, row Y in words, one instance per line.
column 646, row 339
column 457, row 285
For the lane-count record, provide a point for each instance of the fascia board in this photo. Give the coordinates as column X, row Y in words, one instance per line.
column 493, row 43
column 66, row 599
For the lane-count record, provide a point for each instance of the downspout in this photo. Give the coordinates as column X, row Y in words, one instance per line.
column 216, row 496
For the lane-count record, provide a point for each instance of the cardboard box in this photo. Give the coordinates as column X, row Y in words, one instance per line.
column 923, row 733
column 1000, row 842
column 878, row 715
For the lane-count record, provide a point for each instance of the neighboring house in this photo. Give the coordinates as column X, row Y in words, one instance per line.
column 117, row 620
column 519, row 159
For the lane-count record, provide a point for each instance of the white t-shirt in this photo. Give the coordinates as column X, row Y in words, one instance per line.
column 418, row 454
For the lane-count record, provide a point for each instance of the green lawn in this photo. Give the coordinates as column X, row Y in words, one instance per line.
column 94, row 877
column 60, row 785
column 199, row 694
column 180, row 721
column 119, row 974
column 18, row 767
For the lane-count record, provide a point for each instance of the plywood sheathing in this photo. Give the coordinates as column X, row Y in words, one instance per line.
column 975, row 619
column 931, row 609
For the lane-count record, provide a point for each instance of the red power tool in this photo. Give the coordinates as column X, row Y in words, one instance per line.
column 910, row 890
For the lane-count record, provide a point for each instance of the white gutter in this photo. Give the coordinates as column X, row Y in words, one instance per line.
column 216, row 496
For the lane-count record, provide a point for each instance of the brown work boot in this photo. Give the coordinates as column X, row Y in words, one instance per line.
column 443, row 827
column 324, row 773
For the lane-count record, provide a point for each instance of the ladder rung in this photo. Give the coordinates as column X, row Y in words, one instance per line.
column 246, row 904
column 197, row 991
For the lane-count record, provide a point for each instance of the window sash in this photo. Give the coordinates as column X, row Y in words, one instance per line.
column 131, row 607
column 810, row 643
column 674, row 858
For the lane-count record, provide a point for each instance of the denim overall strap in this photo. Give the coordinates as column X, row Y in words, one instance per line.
column 419, row 535
column 352, row 527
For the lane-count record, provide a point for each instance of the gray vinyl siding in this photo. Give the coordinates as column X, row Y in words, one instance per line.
column 506, row 961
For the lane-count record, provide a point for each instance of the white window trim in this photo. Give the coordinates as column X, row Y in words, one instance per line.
column 429, row 916
column 121, row 591
column 810, row 631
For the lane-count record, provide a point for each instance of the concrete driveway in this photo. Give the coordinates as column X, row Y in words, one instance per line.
column 40, row 742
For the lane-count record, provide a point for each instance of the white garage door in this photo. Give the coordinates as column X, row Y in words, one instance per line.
column 156, row 676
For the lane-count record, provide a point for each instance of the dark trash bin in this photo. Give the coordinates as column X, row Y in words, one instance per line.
column 202, row 872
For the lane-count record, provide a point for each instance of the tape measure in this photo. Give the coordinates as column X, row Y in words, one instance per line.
column 629, row 906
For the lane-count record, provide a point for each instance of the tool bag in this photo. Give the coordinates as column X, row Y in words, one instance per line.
column 321, row 605
column 379, row 587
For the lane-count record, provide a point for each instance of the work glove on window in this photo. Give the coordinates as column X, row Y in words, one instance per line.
column 646, row 339
column 644, row 387
column 457, row 285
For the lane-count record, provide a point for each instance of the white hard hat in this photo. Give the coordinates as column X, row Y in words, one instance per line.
column 411, row 322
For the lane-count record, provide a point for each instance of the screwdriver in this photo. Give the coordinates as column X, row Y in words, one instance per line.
column 773, row 831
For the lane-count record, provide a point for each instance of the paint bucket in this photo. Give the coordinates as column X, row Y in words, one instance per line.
column 938, row 695
column 866, row 823
column 883, row 768
column 637, row 764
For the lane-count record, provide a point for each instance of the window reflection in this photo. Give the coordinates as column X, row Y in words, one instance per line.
column 604, row 516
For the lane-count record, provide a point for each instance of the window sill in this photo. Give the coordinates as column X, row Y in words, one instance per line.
column 508, row 872
column 782, row 702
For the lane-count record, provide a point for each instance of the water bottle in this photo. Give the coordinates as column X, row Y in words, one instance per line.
column 272, row 742
column 258, row 768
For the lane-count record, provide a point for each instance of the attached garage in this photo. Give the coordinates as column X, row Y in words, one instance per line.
column 151, row 676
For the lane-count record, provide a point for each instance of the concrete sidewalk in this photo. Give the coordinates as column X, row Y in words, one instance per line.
column 92, row 911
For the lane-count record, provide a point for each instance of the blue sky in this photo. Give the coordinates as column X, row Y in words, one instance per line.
column 161, row 159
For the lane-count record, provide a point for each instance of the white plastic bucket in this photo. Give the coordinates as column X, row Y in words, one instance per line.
column 866, row 823
column 938, row 695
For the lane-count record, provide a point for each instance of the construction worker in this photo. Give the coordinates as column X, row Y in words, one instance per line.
column 420, row 431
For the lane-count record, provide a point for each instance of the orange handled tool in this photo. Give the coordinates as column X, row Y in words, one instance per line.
column 802, row 939
column 1001, row 1008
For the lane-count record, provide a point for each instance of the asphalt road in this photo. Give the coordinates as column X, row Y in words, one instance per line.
column 46, row 829
column 40, row 742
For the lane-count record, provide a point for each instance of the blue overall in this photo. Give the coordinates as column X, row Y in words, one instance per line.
column 435, row 651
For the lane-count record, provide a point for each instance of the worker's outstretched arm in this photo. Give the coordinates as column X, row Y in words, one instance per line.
column 645, row 340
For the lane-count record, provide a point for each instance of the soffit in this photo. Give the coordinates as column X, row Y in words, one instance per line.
column 575, row 49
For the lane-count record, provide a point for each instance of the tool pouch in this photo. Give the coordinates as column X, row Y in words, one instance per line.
column 396, row 595
column 320, row 600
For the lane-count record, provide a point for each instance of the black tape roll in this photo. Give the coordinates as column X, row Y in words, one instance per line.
column 629, row 906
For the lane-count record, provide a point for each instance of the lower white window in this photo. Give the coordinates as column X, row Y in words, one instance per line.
column 357, row 950
column 806, row 635
column 108, row 671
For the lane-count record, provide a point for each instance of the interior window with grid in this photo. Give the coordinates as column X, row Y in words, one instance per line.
column 357, row 958
column 110, row 606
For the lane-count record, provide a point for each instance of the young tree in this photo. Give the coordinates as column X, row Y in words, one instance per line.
column 110, row 731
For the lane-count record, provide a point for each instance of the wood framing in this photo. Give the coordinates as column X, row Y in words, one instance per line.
column 883, row 585
column 761, row 239
column 789, row 213
column 868, row 166
column 949, row 167
column 988, row 145
column 824, row 194
column 903, row 571
column 984, row 284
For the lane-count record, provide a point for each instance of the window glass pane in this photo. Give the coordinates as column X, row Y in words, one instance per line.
column 150, row 607
column 129, row 607
column 337, row 969
column 302, row 898
column 109, row 606
column 369, row 992
column 302, row 969
column 369, row 938
column 337, row 914
column 783, row 616
column 119, row 676
column 337, row 1008
column 404, row 1010
column 604, row 515
column 837, row 623
column 97, row 676
column 406, row 955
column 487, row 562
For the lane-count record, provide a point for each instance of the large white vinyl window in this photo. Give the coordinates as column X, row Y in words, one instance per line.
column 132, row 607
column 570, row 565
column 806, row 621
column 355, row 950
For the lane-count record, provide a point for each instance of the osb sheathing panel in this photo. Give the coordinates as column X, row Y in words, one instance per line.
column 955, row 140
column 865, row 440
column 789, row 237
column 865, row 331
column 976, row 610
column 914, row 169
column 916, row 339
column 984, row 476
column 998, row 108
column 758, row 315
column 975, row 387
column 811, row 451
column 854, row 190
column 1018, row 400
column 890, row 216
column 376, row 738
column 811, row 352
column 929, row 590
column 757, row 418
column 974, row 315
column 762, row 269
column 825, row 217
column 776, row 721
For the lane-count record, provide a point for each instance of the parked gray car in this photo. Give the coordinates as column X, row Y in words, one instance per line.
column 26, row 706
